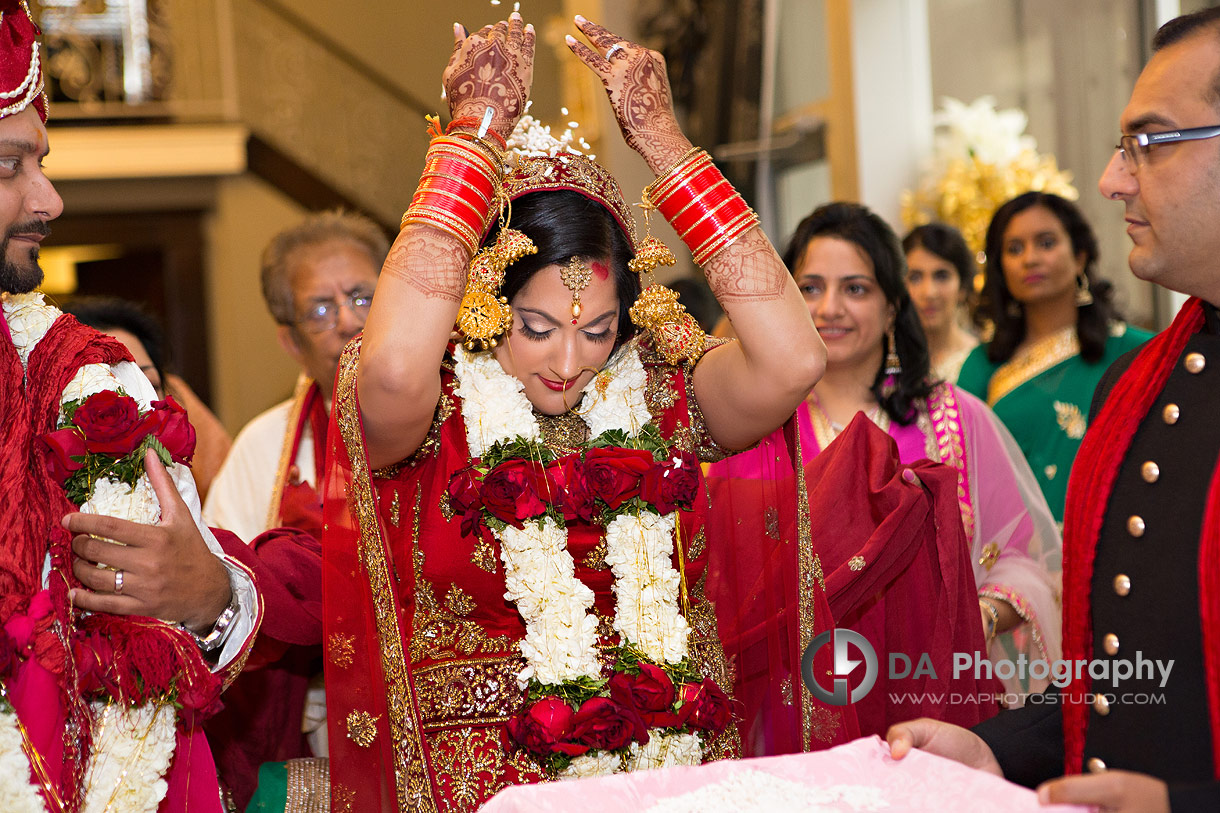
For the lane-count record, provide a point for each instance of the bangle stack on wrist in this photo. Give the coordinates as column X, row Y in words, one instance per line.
column 701, row 205
column 459, row 188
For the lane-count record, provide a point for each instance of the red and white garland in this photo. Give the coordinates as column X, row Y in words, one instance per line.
column 583, row 722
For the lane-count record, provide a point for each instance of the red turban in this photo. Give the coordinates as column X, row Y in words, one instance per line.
column 21, row 80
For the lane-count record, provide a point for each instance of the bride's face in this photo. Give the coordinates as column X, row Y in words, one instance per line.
column 552, row 356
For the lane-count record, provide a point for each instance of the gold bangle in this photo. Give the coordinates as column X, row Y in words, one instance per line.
column 440, row 219
column 662, row 189
column 662, row 177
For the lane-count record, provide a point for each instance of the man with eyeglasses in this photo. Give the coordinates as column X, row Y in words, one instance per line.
column 1141, row 562
column 318, row 279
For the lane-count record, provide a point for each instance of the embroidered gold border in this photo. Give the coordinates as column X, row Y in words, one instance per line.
column 304, row 384
column 412, row 786
column 1032, row 361
column 234, row 668
column 946, row 431
column 809, row 577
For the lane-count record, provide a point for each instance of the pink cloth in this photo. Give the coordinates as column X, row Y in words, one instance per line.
column 918, row 782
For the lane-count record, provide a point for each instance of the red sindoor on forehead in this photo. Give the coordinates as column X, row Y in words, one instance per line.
column 601, row 269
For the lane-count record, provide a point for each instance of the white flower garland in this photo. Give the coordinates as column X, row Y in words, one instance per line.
column 132, row 746
column 17, row 793
column 132, row 749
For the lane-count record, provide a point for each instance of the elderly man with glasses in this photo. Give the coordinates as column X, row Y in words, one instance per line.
column 1141, row 536
column 318, row 279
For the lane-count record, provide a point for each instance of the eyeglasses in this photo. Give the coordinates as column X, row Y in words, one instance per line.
column 1135, row 148
column 324, row 315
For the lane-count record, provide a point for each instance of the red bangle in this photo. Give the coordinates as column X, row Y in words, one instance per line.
column 701, row 205
column 457, row 189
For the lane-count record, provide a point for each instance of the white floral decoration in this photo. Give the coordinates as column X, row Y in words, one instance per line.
column 29, row 318
column 494, row 405
column 132, row 749
column 560, row 641
column 979, row 130
column 646, row 585
column 593, row 764
column 664, row 750
column 614, row 399
column 17, row 793
column 112, row 498
column 90, row 379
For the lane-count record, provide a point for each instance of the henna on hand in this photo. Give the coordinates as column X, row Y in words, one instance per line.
column 747, row 271
column 491, row 68
column 430, row 261
column 636, row 81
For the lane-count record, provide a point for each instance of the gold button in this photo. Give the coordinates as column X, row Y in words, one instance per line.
column 1195, row 363
column 1101, row 705
column 1122, row 584
column 1095, row 765
column 1110, row 643
column 1150, row 471
column 1135, row 525
column 1170, row 414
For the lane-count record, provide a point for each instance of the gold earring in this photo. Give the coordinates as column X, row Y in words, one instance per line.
column 1084, row 297
column 675, row 333
column 484, row 316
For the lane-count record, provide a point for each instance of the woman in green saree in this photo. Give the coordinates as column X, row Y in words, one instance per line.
column 1056, row 332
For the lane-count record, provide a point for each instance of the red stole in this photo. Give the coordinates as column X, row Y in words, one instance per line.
column 299, row 503
column 1092, row 481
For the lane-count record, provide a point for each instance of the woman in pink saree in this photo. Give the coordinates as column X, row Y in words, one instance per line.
column 849, row 266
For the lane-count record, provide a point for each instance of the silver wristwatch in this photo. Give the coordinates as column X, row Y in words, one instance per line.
column 220, row 630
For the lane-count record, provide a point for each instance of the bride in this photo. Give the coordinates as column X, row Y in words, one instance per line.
column 514, row 544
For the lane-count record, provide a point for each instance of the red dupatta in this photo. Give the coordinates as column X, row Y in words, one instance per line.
column 1101, row 454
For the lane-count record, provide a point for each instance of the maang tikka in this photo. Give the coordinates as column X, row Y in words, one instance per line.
column 675, row 333
column 576, row 275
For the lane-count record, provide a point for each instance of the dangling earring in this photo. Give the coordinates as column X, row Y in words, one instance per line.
column 893, row 364
column 484, row 316
column 1084, row 297
column 675, row 333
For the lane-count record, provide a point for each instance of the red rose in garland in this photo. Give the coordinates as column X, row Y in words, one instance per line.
column 541, row 728
column 64, row 444
column 168, row 422
column 518, row 490
column 578, row 502
column 651, row 693
column 614, row 475
column 606, row 725
column 465, row 498
column 111, row 423
column 705, row 707
column 671, row 484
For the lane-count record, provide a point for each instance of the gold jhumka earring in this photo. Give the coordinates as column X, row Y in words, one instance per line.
column 675, row 333
column 484, row 316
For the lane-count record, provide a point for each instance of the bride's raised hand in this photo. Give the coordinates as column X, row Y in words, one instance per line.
column 493, row 67
column 638, row 86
